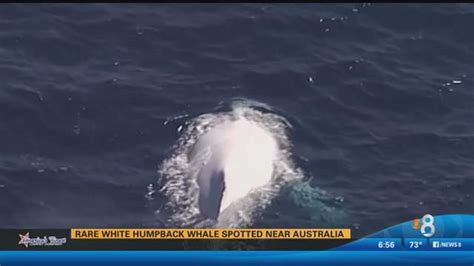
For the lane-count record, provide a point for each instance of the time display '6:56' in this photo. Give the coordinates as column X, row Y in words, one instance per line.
column 386, row 244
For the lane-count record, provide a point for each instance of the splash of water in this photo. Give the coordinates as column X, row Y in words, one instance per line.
column 257, row 164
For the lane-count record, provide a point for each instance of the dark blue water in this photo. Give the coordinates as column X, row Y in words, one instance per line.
column 380, row 97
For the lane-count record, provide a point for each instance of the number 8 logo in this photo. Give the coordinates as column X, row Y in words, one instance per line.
column 427, row 222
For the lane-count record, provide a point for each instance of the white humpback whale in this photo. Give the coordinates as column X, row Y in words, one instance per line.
column 230, row 160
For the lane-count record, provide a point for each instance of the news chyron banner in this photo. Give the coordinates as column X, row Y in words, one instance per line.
column 210, row 234
column 425, row 240
column 424, row 233
column 205, row 239
column 174, row 239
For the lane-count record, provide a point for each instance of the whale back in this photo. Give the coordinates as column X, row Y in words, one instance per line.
column 231, row 159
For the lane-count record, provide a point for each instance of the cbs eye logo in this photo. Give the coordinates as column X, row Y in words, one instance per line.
column 427, row 227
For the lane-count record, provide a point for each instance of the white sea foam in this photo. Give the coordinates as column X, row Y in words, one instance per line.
column 256, row 161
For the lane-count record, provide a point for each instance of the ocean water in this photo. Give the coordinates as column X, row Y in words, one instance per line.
column 94, row 98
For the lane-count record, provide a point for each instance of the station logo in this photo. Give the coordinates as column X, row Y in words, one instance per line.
column 425, row 225
column 44, row 241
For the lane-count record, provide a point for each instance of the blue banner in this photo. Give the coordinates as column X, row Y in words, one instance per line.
column 176, row 258
column 438, row 240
